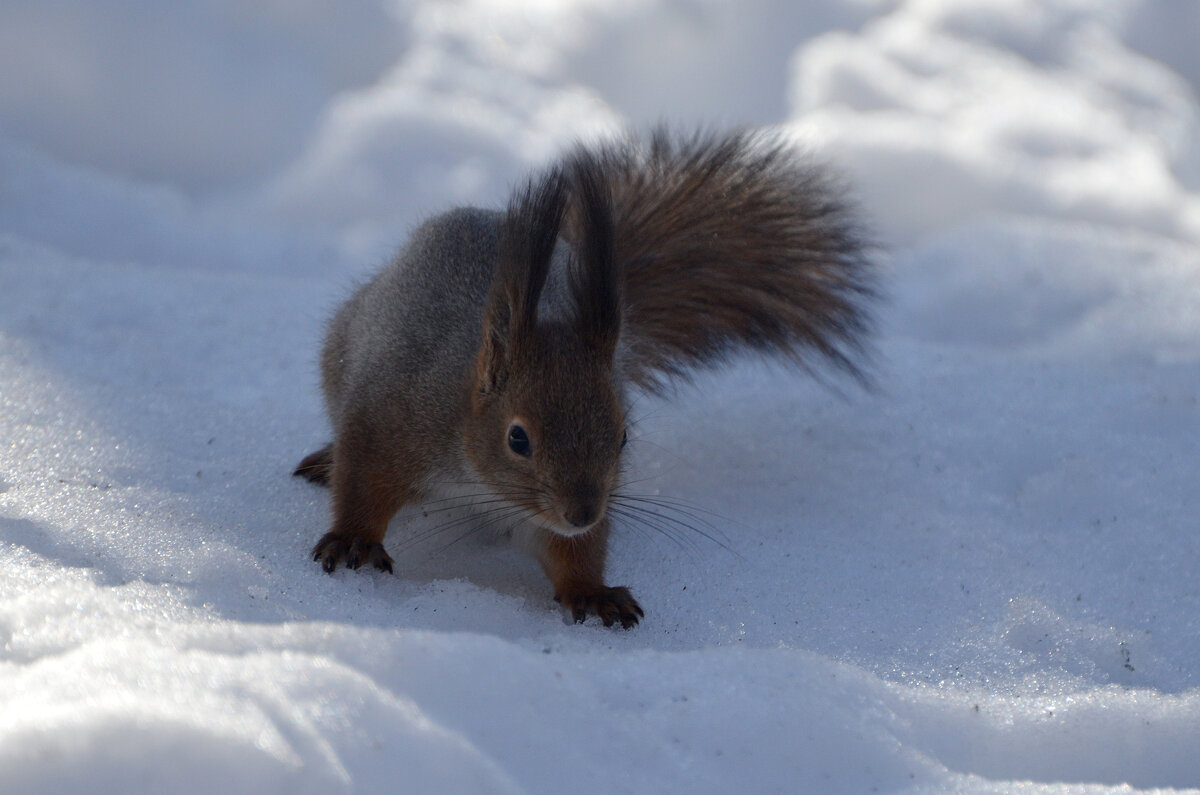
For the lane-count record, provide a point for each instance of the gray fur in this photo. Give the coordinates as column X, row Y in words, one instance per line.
column 407, row 339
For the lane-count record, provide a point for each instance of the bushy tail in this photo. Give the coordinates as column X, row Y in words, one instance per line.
column 727, row 242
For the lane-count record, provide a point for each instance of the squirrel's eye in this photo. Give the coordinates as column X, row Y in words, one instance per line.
column 518, row 441
column 624, row 438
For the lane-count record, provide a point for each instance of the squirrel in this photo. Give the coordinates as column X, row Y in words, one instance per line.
column 497, row 352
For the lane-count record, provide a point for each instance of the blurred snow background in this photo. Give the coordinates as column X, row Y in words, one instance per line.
column 981, row 576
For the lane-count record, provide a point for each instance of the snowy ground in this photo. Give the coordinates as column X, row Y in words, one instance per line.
column 983, row 574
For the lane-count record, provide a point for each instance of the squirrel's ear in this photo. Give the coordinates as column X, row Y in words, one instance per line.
column 595, row 280
column 528, row 235
column 492, row 364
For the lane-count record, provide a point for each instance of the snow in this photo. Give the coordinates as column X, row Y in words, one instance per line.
column 980, row 576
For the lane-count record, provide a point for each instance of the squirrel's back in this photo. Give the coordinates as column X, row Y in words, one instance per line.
column 408, row 334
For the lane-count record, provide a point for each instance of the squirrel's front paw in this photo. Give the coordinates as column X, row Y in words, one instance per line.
column 335, row 548
column 611, row 604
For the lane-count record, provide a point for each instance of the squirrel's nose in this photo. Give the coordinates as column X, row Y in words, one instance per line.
column 582, row 514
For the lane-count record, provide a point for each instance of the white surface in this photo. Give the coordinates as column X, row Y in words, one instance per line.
column 983, row 574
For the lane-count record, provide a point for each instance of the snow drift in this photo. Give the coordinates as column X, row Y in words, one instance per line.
column 980, row 575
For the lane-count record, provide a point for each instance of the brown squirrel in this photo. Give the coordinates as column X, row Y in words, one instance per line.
column 496, row 353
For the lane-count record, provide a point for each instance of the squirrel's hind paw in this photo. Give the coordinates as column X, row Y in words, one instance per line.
column 316, row 467
column 335, row 548
column 610, row 604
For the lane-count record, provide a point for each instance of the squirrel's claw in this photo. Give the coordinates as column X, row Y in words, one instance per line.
column 334, row 548
column 609, row 604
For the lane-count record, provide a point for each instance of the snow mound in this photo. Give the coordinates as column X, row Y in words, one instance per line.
column 979, row 577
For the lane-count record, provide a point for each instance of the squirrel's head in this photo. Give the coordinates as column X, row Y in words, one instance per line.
column 547, row 422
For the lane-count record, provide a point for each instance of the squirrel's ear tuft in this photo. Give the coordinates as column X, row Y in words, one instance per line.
column 528, row 235
column 527, row 241
column 595, row 280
